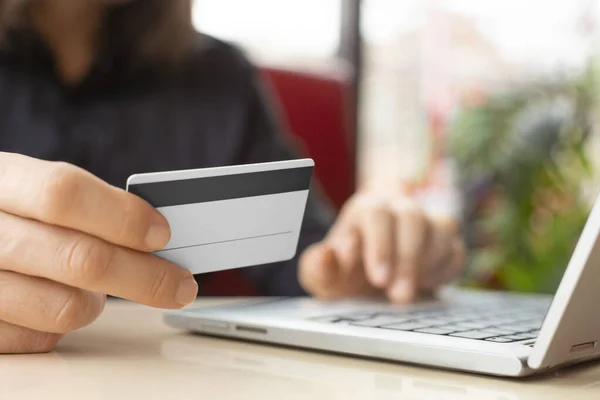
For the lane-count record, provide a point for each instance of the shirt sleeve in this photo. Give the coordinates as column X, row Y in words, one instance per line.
column 264, row 141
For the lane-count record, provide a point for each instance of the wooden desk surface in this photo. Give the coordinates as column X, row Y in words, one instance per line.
column 128, row 353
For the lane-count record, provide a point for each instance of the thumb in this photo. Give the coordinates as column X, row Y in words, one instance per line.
column 319, row 270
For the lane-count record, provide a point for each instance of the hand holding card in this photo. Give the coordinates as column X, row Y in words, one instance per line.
column 229, row 217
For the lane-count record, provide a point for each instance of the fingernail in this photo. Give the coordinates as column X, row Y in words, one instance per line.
column 402, row 290
column 380, row 274
column 158, row 235
column 187, row 292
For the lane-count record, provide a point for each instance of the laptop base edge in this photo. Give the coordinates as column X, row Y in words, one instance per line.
column 441, row 358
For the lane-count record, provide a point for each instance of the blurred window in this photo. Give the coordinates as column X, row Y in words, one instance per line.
column 275, row 31
column 424, row 57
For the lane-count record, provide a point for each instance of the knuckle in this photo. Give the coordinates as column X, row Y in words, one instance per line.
column 409, row 209
column 160, row 283
column 376, row 213
column 69, row 310
column 419, row 214
column 347, row 209
column 365, row 201
column 12, row 237
column 374, row 204
column 379, row 211
column 88, row 260
column 60, row 192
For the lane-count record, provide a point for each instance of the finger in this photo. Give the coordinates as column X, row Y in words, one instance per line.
column 322, row 276
column 452, row 269
column 67, row 196
column 319, row 270
column 439, row 258
column 459, row 255
column 46, row 306
column 413, row 231
column 347, row 248
column 352, row 279
column 378, row 240
column 75, row 259
column 442, row 248
column 18, row 340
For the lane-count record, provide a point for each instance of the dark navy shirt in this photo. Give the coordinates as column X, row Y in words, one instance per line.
column 212, row 111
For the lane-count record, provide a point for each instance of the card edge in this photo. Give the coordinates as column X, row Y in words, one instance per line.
column 303, row 162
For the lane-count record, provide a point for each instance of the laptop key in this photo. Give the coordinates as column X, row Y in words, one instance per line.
column 461, row 314
column 474, row 334
column 357, row 316
column 431, row 322
column 500, row 339
column 424, row 314
column 454, row 328
column 435, row 331
column 502, row 331
column 505, row 321
column 379, row 321
column 456, row 318
column 474, row 324
column 516, row 327
column 524, row 336
column 389, row 314
column 406, row 326
column 531, row 325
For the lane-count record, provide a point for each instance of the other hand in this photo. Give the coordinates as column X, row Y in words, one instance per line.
column 382, row 245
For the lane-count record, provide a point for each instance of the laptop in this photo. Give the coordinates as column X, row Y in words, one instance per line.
column 486, row 332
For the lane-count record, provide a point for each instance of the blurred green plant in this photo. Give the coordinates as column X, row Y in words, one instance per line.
column 522, row 160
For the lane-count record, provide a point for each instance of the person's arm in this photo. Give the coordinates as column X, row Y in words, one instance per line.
column 265, row 140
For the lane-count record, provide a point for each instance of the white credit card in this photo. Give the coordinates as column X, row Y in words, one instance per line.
column 229, row 217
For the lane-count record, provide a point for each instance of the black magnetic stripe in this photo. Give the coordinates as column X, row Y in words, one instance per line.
column 215, row 188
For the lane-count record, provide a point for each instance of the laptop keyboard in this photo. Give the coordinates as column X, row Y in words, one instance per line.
column 500, row 326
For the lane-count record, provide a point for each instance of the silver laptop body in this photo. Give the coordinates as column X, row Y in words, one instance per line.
column 496, row 333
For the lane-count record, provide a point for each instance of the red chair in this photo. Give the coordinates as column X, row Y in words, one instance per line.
column 315, row 112
column 315, row 107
